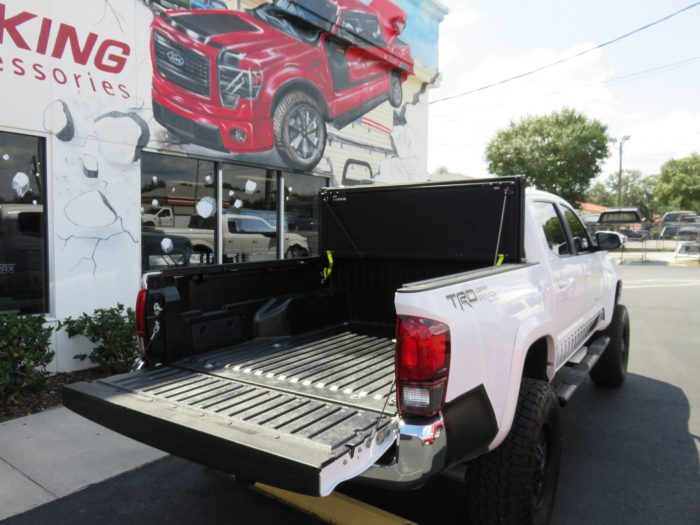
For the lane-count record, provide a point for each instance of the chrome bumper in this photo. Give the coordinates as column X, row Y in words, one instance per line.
column 420, row 455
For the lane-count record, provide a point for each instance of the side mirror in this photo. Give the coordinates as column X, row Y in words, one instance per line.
column 608, row 240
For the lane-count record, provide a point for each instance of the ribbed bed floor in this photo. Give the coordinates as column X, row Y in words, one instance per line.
column 350, row 363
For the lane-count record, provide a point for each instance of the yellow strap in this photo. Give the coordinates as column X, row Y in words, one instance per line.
column 501, row 258
column 326, row 273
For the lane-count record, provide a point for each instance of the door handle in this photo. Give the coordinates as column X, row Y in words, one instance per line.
column 564, row 283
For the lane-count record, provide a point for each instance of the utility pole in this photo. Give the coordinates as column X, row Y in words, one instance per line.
column 619, row 174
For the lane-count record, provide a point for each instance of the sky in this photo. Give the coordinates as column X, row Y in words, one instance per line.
column 483, row 41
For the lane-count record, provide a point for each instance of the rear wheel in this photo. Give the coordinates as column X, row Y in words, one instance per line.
column 611, row 368
column 517, row 482
column 395, row 90
column 295, row 252
column 299, row 130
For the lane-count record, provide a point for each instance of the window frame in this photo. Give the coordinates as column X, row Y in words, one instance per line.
column 570, row 233
column 43, row 145
column 280, row 187
column 562, row 221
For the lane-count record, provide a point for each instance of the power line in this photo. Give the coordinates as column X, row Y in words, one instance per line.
column 628, row 77
column 571, row 57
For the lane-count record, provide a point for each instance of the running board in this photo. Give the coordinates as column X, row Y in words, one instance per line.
column 571, row 376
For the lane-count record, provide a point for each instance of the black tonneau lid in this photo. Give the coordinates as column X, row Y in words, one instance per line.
column 438, row 221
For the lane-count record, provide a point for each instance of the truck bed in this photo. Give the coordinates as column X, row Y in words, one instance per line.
column 351, row 363
column 293, row 411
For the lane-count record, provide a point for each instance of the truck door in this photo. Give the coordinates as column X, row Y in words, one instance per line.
column 568, row 286
column 591, row 261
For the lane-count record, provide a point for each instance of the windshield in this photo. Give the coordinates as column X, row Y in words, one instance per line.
column 288, row 22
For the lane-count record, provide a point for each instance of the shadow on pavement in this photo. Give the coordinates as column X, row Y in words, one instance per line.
column 628, row 458
column 168, row 491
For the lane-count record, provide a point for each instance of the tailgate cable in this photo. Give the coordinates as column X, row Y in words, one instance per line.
column 140, row 361
column 381, row 415
column 499, row 257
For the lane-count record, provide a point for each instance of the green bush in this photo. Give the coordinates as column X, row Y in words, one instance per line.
column 24, row 352
column 113, row 331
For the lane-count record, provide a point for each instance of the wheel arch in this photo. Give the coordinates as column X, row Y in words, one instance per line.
column 202, row 245
column 533, row 358
column 305, row 86
column 537, row 359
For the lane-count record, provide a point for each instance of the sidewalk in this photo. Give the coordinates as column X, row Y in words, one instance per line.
column 55, row 453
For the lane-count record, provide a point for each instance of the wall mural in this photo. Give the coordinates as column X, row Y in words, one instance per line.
column 330, row 86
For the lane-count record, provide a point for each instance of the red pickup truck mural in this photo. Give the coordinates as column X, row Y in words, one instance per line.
column 275, row 76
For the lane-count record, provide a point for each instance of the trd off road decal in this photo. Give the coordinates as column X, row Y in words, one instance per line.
column 471, row 296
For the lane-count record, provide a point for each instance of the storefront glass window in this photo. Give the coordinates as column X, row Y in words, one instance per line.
column 249, row 216
column 301, row 212
column 178, row 218
column 22, row 225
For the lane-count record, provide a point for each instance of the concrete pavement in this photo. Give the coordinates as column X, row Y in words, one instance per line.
column 55, row 453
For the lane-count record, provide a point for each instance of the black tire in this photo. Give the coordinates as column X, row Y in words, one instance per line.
column 611, row 368
column 395, row 90
column 517, row 482
column 204, row 254
column 299, row 131
column 295, row 252
column 149, row 223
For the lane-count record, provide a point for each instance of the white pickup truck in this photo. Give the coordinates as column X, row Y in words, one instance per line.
column 444, row 325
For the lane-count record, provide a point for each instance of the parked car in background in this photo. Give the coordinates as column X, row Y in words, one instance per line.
column 245, row 238
column 683, row 232
column 636, row 235
column 161, row 217
column 159, row 249
column 688, row 217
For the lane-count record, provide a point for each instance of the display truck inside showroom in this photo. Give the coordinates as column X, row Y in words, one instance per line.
column 443, row 325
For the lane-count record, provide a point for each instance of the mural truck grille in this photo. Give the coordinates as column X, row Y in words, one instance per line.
column 181, row 66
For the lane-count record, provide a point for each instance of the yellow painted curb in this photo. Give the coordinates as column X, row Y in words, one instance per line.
column 336, row 508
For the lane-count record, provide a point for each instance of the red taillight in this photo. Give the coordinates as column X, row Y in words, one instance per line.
column 422, row 365
column 140, row 313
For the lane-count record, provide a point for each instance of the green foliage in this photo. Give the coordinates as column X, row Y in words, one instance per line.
column 24, row 352
column 561, row 152
column 638, row 191
column 679, row 183
column 113, row 331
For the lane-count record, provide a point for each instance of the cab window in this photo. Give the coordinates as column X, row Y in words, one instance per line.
column 579, row 234
column 553, row 228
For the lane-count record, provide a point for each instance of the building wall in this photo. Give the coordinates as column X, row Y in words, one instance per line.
column 78, row 73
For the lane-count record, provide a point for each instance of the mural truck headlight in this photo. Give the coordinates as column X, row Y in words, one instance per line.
column 235, row 82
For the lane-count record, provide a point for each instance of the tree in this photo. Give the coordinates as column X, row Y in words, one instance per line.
column 637, row 191
column 561, row 152
column 679, row 183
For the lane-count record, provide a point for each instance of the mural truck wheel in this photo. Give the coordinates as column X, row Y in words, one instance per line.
column 300, row 131
column 395, row 90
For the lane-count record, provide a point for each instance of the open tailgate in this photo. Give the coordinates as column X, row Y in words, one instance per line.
column 292, row 441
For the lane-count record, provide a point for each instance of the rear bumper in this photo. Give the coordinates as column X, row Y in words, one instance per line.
column 420, row 454
column 462, row 432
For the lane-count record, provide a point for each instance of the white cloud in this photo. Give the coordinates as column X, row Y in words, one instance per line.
column 461, row 128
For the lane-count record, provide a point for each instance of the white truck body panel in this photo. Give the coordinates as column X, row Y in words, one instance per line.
column 495, row 319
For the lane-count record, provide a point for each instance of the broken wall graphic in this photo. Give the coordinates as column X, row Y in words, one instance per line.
column 308, row 85
column 69, row 75
column 333, row 86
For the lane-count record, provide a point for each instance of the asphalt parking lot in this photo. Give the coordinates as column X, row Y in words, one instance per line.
column 630, row 454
